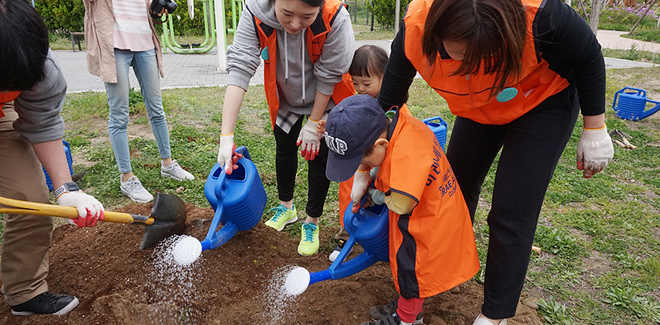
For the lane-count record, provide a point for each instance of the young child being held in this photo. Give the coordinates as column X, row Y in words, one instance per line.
column 367, row 69
column 431, row 242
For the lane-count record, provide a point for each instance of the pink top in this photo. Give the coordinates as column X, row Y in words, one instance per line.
column 132, row 30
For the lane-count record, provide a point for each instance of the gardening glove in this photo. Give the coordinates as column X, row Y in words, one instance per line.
column 90, row 210
column 594, row 151
column 309, row 140
column 377, row 197
column 361, row 181
column 226, row 152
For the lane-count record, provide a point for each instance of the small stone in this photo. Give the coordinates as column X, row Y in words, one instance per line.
column 180, row 189
column 531, row 303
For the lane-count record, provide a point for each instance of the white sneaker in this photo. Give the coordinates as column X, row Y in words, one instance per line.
column 483, row 321
column 134, row 190
column 175, row 171
column 337, row 250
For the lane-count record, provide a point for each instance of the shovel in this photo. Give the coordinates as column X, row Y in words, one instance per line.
column 168, row 216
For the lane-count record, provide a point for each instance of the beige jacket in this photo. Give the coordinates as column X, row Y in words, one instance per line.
column 99, row 43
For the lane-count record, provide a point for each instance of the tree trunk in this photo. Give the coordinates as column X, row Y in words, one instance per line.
column 595, row 15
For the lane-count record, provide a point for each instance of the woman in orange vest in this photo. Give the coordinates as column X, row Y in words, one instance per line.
column 307, row 47
column 516, row 73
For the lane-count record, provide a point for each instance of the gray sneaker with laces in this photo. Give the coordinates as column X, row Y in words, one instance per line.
column 134, row 190
column 175, row 171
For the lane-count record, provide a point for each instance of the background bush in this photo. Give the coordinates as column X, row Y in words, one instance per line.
column 65, row 16
column 384, row 10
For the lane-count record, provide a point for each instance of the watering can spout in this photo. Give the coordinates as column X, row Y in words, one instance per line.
column 220, row 237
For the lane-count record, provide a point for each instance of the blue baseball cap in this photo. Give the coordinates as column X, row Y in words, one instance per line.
column 352, row 127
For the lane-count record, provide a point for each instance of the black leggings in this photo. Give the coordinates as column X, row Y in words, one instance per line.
column 286, row 168
column 531, row 147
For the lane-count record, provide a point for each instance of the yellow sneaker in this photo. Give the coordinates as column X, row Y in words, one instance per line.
column 309, row 239
column 282, row 217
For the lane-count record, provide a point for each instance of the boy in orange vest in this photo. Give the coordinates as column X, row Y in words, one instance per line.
column 431, row 241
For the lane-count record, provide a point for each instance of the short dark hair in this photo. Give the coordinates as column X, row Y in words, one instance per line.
column 494, row 32
column 314, row 3
column 370, row 150
column 368, row 61
column 24, row 39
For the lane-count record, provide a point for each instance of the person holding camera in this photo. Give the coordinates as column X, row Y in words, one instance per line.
column 119, row 34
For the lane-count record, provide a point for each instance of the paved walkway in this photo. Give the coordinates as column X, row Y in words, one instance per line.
column 199, row 70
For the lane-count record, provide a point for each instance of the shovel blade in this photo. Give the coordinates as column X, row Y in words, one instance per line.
column 169, row 214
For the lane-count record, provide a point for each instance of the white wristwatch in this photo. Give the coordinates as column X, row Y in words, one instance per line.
column 66, row 187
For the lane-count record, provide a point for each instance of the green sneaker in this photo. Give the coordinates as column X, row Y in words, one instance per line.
column 282, row 217
column 309, row 239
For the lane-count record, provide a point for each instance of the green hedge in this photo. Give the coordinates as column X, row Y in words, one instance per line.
column 64, row 16
column 384, row 11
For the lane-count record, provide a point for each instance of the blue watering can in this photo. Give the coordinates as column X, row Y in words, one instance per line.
column 238, row 200
column 630, row 104
column 439, row 127
column 370, row 228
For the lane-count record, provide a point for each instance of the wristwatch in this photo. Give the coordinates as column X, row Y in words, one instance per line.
column 66, row 187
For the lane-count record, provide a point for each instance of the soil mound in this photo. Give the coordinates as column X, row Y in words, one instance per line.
column 233, row 284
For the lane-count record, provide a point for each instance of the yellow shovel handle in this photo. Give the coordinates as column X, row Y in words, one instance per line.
column 24, row 207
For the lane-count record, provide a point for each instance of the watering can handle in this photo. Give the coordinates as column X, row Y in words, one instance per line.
column 244, row 151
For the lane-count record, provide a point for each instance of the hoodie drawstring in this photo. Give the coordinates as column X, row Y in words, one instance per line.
column 302, row 59
column 286, row 59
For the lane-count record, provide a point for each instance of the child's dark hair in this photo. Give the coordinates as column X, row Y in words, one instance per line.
column 313, row 3
column 368, row 61
column 494, row 32
column 24, row 39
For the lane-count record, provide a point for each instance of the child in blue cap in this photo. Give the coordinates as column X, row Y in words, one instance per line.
column 431, row 242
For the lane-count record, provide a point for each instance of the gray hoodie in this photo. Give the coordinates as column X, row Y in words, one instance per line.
column 297, row 80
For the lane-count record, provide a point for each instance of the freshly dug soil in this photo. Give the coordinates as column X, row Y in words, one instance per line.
column 235, row 283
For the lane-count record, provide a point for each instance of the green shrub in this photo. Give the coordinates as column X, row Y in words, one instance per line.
column 384, row 11
column 62, row 16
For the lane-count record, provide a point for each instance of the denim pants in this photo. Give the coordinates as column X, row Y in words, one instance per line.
column 145, row 67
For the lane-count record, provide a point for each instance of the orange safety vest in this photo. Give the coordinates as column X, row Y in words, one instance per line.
column 316, row 34
column 470, row 96
column 6, row 97
column 432, row 249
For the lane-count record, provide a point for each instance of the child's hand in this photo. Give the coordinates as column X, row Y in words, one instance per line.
column 320, row 127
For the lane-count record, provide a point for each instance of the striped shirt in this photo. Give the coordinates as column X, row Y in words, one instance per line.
column 132, row 31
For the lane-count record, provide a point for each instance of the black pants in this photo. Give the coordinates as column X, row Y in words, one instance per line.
column 286, row 168
column 531, row 147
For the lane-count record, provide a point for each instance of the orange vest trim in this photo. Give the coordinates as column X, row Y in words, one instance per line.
column 432, row 249
column 316, row 35
column 470, row 96
column 6, row 97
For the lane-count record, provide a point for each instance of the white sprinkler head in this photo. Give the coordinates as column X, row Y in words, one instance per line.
column 187, row 250
column 297, row 281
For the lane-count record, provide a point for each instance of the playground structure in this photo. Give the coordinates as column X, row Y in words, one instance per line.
column 210, row 33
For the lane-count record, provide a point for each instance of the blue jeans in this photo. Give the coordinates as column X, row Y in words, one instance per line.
column 145, row 67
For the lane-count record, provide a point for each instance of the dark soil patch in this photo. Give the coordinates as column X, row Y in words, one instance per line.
column 119, row 284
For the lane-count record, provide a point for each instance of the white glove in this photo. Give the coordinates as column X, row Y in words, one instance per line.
column 594, row 151
column 226, row 151
column 361, row 181
column 90, row 210
column 310, row 140
column 377, row 197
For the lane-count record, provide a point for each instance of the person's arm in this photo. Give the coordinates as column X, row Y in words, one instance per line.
column 572, row 50
column 399, row 75
column 39, row 122
column 336, row 57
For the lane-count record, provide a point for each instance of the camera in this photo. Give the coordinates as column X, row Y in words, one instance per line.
column 158, row 5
